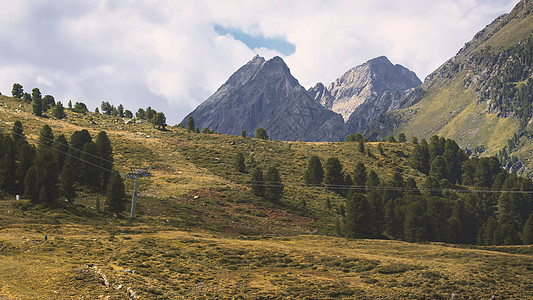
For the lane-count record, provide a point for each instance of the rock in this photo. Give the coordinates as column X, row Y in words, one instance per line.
column 264, row 94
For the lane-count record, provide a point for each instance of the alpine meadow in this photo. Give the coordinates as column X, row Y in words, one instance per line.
column 376, row 186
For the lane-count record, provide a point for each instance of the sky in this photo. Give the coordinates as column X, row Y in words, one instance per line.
column 173, row 54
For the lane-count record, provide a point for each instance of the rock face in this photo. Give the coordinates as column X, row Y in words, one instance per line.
column 366, row 91
column 265, row 94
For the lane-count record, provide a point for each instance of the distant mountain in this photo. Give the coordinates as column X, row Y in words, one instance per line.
column 265, row 94
column 366, row 91
column 482, row 97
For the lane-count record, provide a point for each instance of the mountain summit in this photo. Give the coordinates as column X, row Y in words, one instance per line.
column 365, row 92
column 265, row 94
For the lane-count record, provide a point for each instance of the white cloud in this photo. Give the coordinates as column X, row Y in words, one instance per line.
column 166, row 54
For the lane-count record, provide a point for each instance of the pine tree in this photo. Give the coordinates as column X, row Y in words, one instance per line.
column 257, row 182
column 361, row 146
column 115, row 194
column 105, row 153
column 190, row 124
column 333, row 177
column 32, row 184
column 273, row 186
column 261, row 133
column 243, row 133
column 59, row 111
column 7, row 165
column 66, row 182
column 527, row 232
column 17, row 91
column 60, row 147
column 360, row 176
column 37, row 102
column 438, row 168
column 239, row 162
column 46, row 137
column 90, row 162
column 358, row 217
column 314, row 174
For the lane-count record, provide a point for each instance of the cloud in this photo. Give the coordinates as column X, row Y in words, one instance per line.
column 168, row 54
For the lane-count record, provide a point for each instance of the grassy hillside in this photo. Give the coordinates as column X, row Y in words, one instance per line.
column 476, row 97
column 200, row 232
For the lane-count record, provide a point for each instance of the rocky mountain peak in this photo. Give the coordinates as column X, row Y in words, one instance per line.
column 364, row 83
column 265, row 94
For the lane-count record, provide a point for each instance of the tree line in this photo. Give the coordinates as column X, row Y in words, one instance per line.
column 47, row 104
column 56, row 167
column 498, row 210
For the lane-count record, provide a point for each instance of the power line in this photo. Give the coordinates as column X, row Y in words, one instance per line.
column 290, row 184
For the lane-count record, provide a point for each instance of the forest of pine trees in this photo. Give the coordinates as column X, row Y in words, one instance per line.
column 54, row 168
column 496, row 210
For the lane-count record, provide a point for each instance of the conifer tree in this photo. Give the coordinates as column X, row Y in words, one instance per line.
column 314, row 174
column 239, row 162
column 190, row 124
column 527, row 232
column 46, row 137
column 59, row 111
column 17, row 91
column 66, row 182
column 360, row 176
column 257, row 182
column 333, row 177
column 358, row 217
column 115, row 194
column 60, row 147
column 361, row 146
column 273, row 186
column 37, row 102
column 438, row 168
column 105, row 153
column 261, row 133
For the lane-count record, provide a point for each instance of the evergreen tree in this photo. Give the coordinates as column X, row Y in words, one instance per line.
column 7, row 165
column 273, row 185
column 438, row 168
column 314, row 174
column 18, row 132
column 159, row 120
column 257, row 182
column 190, row 124
column 261, row 133
column 243, row 133
column 527, row 232
column 402, row 138
column 105, row 154
column 333, row 177
column 47, row 102
column 416, row 221
column 37, row 106
column 120, row 110
column 361, row 146
column 115, row 194
column 239, row 162
column 60, row 147
column 26, row 156
column 140, row 114
column 377, row 210
column 59, row 111
column 46, row 137
column 90, row 162
column 420, row 157
column 32, row 184
column 372, row 180
column 359, row 175
column 26, row 98
column 66, row 182
column 358, row 217
column 17, row 91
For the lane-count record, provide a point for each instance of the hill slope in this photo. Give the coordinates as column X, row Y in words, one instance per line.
column 481, row 97
column 201, row 232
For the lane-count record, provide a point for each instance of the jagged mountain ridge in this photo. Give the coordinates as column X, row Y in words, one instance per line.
column 264, row 94
column 482, row 97
column 376, row 79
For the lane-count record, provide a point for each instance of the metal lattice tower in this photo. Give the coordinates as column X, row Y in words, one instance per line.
column 135, row 174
